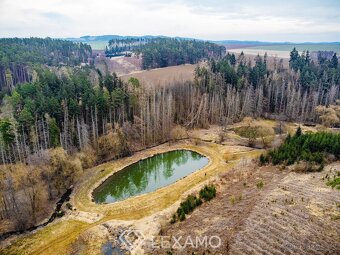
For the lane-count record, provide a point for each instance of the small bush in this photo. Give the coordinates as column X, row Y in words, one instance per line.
column 220, row 137
column 88, row 157
column 260, row 184
column 263, row 160
column 232, row 200
column 178, row 133
column 196, row 141
column 191, row 202
column 69, row 206
column 208, row 192
column 227, row 156
column 307, row 166
column 173, row 219
column 182, row 216
column 335, row 182
column 60, row 214
column 198, row 201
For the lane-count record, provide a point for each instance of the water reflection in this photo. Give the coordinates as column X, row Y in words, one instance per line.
column 148, row 175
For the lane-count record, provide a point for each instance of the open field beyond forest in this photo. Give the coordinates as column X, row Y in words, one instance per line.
column 97, row 45
column 127, row 67
column 240, row 213
column 283, row 51
column 119, row 65
column 300, row 47
column 163, row 76
column 261, row 52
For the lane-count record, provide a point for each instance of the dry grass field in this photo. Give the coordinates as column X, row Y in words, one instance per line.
column 163, row 76
column 126, row 67
column 119, row 65
column 261, row 52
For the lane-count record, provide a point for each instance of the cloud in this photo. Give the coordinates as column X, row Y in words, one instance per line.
column 328, row 10
column 214, row 19
column 55, row 16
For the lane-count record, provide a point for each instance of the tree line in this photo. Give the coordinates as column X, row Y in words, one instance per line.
column 236, row 88
column 307, row 147
column 18, row 55
column 65, row 111
column 69, row 109
column 119, row 46
column 163, row 52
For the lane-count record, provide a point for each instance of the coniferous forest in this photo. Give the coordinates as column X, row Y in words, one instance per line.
column 163, row 52
column 19, row 55
column 157, row 52
column 305, row 147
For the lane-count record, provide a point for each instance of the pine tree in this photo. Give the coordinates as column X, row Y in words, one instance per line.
column 298, row 132
column 334, row 61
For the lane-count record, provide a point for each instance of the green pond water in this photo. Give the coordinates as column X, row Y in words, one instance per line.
column 149, row 175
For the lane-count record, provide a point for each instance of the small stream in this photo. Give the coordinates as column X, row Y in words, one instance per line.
column 59, row 204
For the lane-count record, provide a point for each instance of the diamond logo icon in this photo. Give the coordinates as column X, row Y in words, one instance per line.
column 131, row 238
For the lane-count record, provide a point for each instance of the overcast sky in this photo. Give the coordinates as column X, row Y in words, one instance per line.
column 264, row 20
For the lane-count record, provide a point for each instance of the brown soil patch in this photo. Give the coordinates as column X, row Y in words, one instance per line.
column 118, row 65
column 292, row 214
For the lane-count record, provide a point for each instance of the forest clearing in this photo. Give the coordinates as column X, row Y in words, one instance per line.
column 127, row 67
column 120, row 65
column 163, row 76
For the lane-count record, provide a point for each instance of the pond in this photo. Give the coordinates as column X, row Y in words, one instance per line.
column 148, row 175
